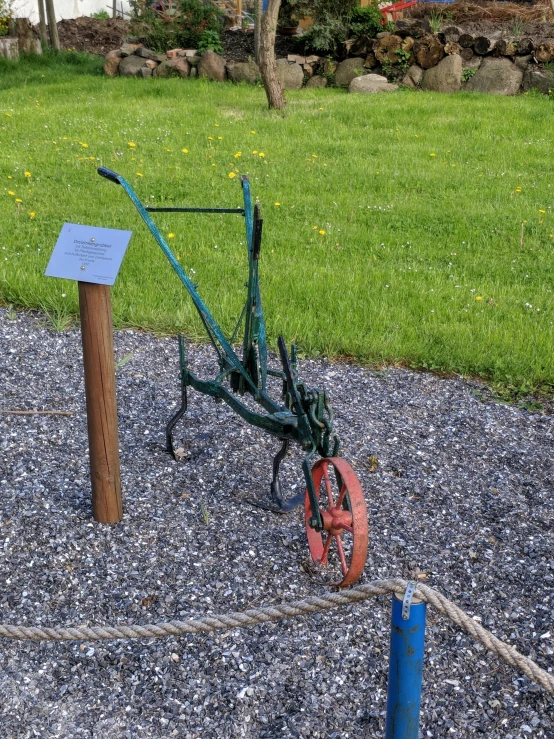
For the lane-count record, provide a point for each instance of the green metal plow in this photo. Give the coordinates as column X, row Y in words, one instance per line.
column 335, row 510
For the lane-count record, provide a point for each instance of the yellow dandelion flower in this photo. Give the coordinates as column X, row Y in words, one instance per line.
column 32, row 214
column 85, row 146
column 277, row 205
column 139, row 174
column 254, row 152
column 185, row 151
column 432, row 154
column 219, row 138
column 9, row 115
column 315, row 228
column 322, row 232
column 213, row 165
column 518, row 189
column 166, row 149
column 10, row 177
column 170, row 236
column 542, row 211
column 210, row 138
column 261, row 154
column 216, row 125
column 321, row 108
column 18, row 200
column 252, row 131
column 231, row 175
column 238, row 154
column 10, row 192
column 130, row 143
column 314, row 156
column 27, row 174
column 478, row 297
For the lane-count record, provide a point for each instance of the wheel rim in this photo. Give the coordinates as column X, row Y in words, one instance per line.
column 345, row 534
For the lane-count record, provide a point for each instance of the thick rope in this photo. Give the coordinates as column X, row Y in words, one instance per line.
column 315, row 604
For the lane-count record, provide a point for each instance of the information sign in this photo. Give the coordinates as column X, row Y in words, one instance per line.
column 88, row 254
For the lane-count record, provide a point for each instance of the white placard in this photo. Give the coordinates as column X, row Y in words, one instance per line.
column 88, row 253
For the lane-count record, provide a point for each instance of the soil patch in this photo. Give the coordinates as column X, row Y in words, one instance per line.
column 94, row 35
column 98, row 36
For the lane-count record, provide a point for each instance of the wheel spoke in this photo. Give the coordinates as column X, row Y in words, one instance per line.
column 345, row 527
column 326, row 546
column 328, row 486
column 342, row 555
column 342, row 495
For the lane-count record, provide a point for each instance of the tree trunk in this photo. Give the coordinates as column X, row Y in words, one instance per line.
column 453, row 48
column 428, row 52
column 8, row 47
column 483, row 45
column 525, row 46
column 466, row 54
column 268, row 65
column 42, row 25
column 545, row 51
column 506, row 47
column 52, row 27
column 466, row 40
column 258, row 13
column 25, row 35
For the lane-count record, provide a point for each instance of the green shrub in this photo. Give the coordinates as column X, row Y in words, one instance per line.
column 6, row 14
column 366, row 21
column 210, row 40
column 101, row 15
column 175, row 23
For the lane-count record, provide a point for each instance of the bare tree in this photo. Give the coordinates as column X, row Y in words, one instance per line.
column 268, row 66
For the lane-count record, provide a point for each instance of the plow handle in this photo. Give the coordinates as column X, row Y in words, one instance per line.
column 109, row 175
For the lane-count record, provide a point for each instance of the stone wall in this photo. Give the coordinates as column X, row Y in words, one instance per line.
column 447, row 61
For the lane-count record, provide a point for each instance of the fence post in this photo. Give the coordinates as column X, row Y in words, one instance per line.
column 405, row 666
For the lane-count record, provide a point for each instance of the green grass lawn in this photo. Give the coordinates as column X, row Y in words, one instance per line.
column 392, row 223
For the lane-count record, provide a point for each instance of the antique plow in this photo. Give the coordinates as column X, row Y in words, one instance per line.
column 335, row 510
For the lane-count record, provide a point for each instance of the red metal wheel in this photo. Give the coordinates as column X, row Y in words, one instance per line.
column 345, row 534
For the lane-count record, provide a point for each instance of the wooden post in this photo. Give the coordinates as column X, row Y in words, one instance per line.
column 98, row 360
column 52, row 27
column 42, row 24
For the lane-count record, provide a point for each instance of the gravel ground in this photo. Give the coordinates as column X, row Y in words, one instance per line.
column 462, row 497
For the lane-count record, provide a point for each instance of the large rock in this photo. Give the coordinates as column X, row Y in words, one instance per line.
column 348, row 70
column 291, row 75
column 413, row 76
column 445, row 77
column 317, row 80
column 111, row 63
column 370, row 83
column 538, row 79
column 131, row 66
column 522, row 62
column 145, row 53
column 244, row 72
column 128, row 49
column 173, row 68
column 496, row 76
column 212, row 66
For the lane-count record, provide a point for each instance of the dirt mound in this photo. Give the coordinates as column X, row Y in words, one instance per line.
column 95, row 35
column 476, row 11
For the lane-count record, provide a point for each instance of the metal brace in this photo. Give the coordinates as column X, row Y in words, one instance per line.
column 407, row 600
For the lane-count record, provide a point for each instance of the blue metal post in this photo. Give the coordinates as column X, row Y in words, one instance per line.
column 405, row 670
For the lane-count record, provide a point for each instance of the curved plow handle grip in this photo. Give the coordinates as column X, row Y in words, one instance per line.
column 109, row 175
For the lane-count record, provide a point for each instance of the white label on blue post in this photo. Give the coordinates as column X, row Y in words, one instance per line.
column 88, row 254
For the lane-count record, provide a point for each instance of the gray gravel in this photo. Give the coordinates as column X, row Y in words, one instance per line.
column 462, row 497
